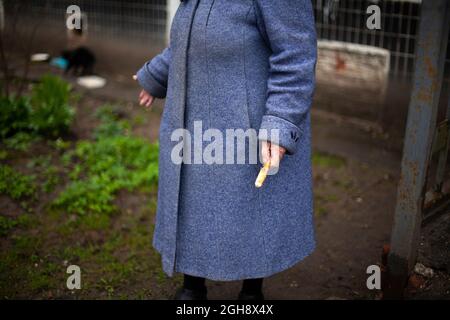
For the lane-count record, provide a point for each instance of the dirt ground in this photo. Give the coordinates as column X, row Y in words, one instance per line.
column 356, row 171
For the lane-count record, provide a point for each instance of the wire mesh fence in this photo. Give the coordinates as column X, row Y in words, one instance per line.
column 345, row 20
column 339, row 20
column 134, row 20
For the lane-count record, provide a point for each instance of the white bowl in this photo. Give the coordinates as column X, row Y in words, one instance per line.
column 40, row 57
column 91, row 82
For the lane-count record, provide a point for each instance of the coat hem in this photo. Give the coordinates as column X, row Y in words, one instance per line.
column 241, row 276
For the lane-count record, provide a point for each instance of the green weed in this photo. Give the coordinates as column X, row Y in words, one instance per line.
column 15, row 184
column 327, row 160
column 100, row 168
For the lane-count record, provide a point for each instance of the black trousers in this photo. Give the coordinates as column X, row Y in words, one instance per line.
column 250, row 286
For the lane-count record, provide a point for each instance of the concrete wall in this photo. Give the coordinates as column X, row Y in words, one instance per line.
column 352, row 79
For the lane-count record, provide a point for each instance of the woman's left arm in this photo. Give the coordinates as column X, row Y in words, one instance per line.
column 289, row 29
column 153, row 76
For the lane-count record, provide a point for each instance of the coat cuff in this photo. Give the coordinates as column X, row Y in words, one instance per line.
column 150, row 84
column 289, row 133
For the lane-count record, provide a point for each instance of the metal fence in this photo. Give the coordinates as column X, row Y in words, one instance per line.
column 341, row 20
column 345, row 20
column 133, row 20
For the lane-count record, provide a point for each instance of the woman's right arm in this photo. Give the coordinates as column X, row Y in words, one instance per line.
column 153, row 76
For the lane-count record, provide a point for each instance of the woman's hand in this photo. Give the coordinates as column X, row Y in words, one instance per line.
column 273, row 153
column 146, row 99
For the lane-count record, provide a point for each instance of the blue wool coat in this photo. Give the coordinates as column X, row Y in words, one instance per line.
column 235, row 64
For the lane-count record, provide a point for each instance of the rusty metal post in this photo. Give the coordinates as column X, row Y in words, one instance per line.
column 420, row 128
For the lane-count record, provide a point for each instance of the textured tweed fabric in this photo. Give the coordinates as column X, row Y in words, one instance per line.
column 235, row 64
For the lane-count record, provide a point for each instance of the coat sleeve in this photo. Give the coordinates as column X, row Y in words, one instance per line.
column 289, row 30
column 154, row 74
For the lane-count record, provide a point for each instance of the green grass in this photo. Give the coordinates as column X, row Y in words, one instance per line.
column 42, row 277
column 332, row 170
column 8, row 224
column 103, row 168
column 48, row 172
column 21, row 141
column 3, row 154
column 15, row 184
column 327, row 160
column 21, row 268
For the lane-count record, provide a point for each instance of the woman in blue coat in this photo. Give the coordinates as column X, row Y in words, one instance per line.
column 245, row 65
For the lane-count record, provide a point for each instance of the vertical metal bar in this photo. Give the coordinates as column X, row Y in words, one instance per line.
column 325, row 19
column 383, row 24
column 420, row 127
column 364, row 31
column 398, row 26
column 360, row 23
column 347, row 18
column 443, row 155
column 373, row 35
column 2, row 16
column 408, row 35
column 387, row 33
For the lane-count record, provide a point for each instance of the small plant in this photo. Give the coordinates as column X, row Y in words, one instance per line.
column 52, row 179
column 48, row 172
column 111, row 123
column 51, row 114
column 7, row 224
column 21, row 141
column 45, row 113
column 14, row 116
column 15, row 184
column 60, row 144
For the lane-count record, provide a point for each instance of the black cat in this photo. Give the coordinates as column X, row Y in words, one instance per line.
column 80, row 61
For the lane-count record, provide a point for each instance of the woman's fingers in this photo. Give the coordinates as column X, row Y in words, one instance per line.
column 265, row 151
column 276, row 154
column 273, row 153
column 142, row 97
column 145, row 99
